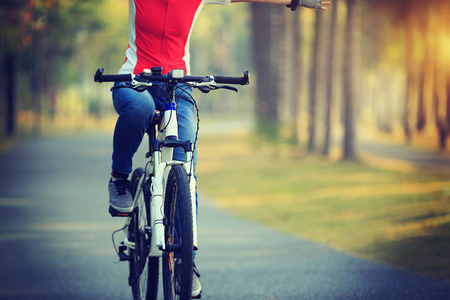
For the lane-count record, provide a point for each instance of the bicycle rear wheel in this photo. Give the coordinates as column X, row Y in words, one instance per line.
column 144, row 270
column 178, row 258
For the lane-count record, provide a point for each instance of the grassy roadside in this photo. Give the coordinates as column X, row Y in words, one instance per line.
column 400, row 218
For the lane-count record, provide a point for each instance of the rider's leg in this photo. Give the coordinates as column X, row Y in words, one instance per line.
column 134, row 109
column 187, row 128
column 187, row 125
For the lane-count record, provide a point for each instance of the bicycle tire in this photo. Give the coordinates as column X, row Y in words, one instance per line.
column 178, row 260
column 144, row 270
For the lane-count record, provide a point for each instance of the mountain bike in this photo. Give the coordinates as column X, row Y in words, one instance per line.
column 163, row 220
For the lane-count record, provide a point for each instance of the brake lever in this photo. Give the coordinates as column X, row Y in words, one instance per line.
column 206, row 88
column 136, row 84
column 227, row 87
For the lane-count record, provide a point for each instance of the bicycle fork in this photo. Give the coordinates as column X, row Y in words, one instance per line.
column 157, row 206
column 157, row 201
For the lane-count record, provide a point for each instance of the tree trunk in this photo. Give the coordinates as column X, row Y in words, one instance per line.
column 421, row 113
column 330, row 78
column 10, row 87
column 349, row 76
column 440, row 121
column 447, row 110
column 266, row 64
column 296, row 74
column 3, row 97
column 37, row 81
column 424, row 72
column 443, row 119
column 439, row 79
column 410, row 82
column 313, row 83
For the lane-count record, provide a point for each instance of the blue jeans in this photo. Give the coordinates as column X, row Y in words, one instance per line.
column 135, row 111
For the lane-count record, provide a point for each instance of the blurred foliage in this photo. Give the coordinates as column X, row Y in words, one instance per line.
column 220, row 44
column 58, row 45
column 55, row 45
column 220, row 40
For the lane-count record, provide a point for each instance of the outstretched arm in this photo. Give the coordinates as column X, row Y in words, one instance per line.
column 306, row 3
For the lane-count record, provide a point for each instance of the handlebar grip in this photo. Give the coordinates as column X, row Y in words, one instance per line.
column 233, row 80
column 99, row 77
column 114, row 78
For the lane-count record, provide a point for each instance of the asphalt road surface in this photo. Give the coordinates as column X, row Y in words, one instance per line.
column 55, row 240
column 420, row 158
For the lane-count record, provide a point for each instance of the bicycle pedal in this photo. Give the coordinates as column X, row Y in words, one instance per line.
column 122, row 255
column 116, row 213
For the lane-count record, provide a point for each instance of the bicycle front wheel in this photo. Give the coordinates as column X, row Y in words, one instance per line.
column 178, row 257
column 144, row 270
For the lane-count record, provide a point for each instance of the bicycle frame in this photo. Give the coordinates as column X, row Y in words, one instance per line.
column 158, row 169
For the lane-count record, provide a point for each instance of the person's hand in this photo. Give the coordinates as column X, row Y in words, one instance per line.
column 315, row 4
column 323, row 3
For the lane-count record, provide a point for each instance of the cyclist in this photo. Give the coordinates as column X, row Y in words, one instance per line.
column 159, row 34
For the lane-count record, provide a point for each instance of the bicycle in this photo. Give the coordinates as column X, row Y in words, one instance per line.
column 163, row 220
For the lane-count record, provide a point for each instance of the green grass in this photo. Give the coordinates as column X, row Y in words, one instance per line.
column 401, row 218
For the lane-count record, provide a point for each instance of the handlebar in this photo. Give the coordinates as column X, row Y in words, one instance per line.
column 99, row 77
column 174, row 76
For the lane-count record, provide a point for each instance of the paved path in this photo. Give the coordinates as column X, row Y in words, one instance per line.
column 55, row 240
column 404, row 156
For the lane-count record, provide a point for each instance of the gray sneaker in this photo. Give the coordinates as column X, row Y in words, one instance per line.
column 196, row 286
column 119, row 195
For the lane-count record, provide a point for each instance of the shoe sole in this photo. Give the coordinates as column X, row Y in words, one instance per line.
column 122, row 209
column 199, row 296
column 115, row 213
